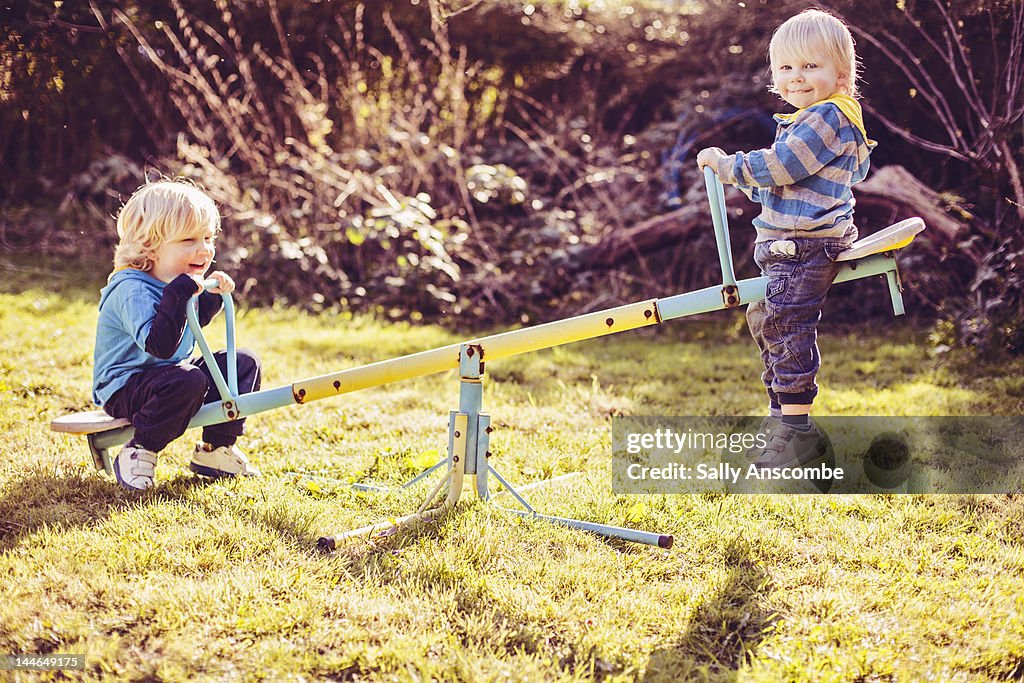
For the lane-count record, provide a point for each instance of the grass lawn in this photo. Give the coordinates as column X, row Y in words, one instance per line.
column 223, row 581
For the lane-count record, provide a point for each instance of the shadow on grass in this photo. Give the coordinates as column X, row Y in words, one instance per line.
column 68, row 498
column 725, row 630
column 61, row 501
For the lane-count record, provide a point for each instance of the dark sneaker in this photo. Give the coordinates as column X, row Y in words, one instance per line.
column 788, row 447
column 766, row 426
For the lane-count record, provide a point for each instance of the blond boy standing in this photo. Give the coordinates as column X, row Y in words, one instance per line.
column 803, row 184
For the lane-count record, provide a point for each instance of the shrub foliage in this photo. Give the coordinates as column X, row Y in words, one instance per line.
column 430, row 158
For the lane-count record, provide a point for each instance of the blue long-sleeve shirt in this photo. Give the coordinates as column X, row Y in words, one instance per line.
column 142, row 324
column 803, row 180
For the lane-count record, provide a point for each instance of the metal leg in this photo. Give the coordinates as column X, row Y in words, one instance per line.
column 462, row 456
column 380, row 488
column 646, row 537
column 453, row 478
column 100, row 444
column 511, row 489
column 892, row 277
column 608, row 531
column 100, row 455
column 425, row 473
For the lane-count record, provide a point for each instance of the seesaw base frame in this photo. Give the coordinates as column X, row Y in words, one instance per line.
column 468, row 454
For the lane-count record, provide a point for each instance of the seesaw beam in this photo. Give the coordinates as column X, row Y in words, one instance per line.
column 518, row 342
column 508, row 344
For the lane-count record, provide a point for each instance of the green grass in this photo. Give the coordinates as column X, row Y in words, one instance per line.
column 201, row 580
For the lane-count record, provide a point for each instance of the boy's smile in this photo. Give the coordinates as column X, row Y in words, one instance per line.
column 189, row 255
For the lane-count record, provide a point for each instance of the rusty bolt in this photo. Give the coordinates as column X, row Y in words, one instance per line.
column 609, row 322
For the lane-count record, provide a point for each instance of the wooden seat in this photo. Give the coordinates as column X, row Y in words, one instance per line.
column 90, row 422
column 894, row 237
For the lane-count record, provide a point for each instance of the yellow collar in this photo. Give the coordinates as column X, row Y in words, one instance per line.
column 849, row 106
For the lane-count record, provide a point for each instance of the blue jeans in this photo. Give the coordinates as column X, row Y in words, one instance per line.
column 785, row 324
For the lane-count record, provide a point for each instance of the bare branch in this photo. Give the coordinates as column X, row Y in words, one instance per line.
column 948, row 150
column 446, row 15
column 971, row 88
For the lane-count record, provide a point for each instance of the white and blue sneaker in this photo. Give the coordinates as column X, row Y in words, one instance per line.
column 135, row 468
column 224, row 461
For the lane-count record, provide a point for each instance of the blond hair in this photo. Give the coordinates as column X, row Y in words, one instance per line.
column 814, row 30
column 159, row 212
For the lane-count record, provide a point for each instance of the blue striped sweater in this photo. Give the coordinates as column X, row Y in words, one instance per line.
column 803, row 180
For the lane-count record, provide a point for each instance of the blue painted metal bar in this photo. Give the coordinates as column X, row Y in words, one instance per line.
column 608, row 531
column 471, row 395
column 719, row 218
column 425, row 473
column 227, row 389
column 483, row 445
column 511, row 489
column 229, row 340
column 691, row 303
column 710, row 299
column 876, row 264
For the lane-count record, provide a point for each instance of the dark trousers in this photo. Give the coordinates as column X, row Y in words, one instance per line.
column 161, row 401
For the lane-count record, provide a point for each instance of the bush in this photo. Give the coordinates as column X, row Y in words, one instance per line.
column 439, row 158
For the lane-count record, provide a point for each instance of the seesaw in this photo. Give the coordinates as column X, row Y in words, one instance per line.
column 469, row 429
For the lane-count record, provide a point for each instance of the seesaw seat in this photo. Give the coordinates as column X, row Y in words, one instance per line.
column 894, row 237
column 89, row 422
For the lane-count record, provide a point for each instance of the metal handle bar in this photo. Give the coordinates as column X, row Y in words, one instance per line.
column 228, row 390
column 716, row 197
